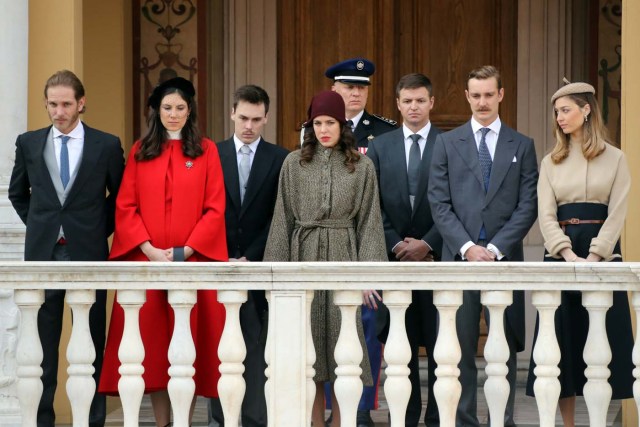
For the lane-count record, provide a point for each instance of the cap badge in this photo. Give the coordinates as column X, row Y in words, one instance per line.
column 365, row 122
column 188, row 164
column 360, row 65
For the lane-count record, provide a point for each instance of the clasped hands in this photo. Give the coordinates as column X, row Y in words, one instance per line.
column 411, row 249
column 162, row 255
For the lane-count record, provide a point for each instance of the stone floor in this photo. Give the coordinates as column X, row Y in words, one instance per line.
column 526, row 410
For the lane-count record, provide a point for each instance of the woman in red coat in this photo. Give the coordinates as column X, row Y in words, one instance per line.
column 170, row 208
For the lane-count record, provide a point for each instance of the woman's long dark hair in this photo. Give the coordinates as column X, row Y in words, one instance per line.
column 156, row 137
column 346, row 144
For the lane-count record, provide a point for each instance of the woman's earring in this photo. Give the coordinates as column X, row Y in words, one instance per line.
column 586, row 118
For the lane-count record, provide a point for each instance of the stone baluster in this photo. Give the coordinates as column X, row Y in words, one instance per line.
column 29, row 355
column 397, row 354
column 447, row 354
column 131, row 355
column 496, row 352
column 348, row 355
column 311, row 358
column 546, row 354
column 597, row 356
column 80, row 354
column 182, row 355
column 232, row 352
column 636, row 350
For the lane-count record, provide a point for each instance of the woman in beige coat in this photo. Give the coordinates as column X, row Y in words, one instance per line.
column 582, row 203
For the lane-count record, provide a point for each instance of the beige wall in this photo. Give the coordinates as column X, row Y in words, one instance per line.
column 92, row 39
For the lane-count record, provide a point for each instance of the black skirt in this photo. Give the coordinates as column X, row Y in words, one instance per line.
column 572, row 319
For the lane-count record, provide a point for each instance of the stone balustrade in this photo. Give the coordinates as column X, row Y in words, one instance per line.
column 290, row 354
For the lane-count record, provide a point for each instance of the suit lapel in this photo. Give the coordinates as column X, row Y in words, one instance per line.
column 398, row 158
column 229, row 162
column 468, row 150
column 506, row 150
column 259, row 169
column 425, row 164
column 45, row 154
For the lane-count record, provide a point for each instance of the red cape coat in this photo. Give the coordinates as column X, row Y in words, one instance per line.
column 170, row 201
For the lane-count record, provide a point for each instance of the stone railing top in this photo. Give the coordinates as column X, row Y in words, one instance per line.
column 325, row 275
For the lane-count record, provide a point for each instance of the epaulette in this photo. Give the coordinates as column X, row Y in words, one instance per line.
column 386, row 120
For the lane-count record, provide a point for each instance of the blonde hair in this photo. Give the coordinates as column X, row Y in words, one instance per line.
column 595, row 134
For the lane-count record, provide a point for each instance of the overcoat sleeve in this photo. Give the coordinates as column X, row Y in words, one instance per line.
column 208, row 236
column 554, row 238
column 130, row 230
column 369, row 230
column 279, row 241
column 392, row 237
column 609, row 234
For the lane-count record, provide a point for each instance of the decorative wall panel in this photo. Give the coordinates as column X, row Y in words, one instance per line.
column 169, row 39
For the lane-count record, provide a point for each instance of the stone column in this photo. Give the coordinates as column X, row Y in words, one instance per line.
column 14, row 32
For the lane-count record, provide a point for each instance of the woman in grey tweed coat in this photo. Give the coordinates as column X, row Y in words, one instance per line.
column 327, row 210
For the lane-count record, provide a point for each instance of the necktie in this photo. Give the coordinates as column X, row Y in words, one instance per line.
column 64, row 160
column 485, row 158
column 485, row 165
column 350, row 124
column 244, row 169
column 413, row 171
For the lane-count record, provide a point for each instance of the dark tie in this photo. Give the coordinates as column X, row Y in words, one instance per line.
column 485, row 158
column 350, row 124
column 485, row 165
column 64, row 160
column 413, row 171
column 244, row 169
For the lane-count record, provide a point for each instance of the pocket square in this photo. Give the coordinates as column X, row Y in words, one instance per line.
column 514, row 160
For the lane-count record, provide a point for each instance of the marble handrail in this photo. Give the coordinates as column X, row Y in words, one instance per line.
column 290, row 353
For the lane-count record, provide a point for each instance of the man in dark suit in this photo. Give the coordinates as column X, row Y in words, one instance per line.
column 63, row 186
column 251, row 168
column 482, row 192
column 402, row 158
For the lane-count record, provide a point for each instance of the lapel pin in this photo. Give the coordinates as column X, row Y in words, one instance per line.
column 365, row 122
column 188, row 164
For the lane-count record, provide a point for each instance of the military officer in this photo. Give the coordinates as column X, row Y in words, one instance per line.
column 351, row 79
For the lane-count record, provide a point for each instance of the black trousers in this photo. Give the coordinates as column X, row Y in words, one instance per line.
column 50, row 329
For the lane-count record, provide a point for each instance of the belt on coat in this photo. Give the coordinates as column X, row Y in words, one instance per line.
column 578, row 221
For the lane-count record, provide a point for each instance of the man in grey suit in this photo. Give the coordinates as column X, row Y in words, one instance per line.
column 402, row 158
column 482, row 191
column 63, row 186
